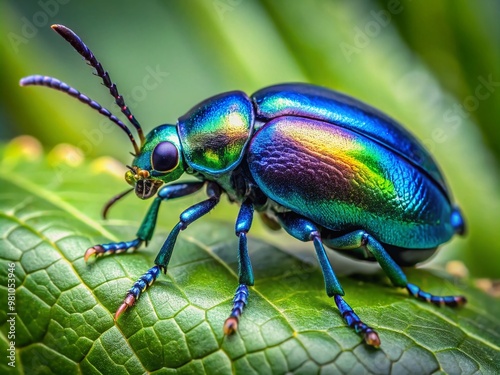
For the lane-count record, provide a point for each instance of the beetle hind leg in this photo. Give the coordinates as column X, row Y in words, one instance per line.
column 451, row 301
column 305, row 230
column 361, row 239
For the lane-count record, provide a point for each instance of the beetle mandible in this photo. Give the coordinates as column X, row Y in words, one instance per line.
column 325, row 167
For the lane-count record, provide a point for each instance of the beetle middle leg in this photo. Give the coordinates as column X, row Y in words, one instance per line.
column 146, row 230
column 245, row 272
column 305, row 230
column 162, row 260
column 362, row 239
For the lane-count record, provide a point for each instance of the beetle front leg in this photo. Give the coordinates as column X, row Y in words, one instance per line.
column 305, row 230
column 360, row 238
column 146, row 230
column 245, row 272
column 162, row 260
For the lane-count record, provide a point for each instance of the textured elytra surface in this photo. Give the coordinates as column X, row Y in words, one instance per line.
column 64, row 306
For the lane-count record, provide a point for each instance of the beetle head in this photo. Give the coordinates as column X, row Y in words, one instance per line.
column 158, row 158
column 159, row 161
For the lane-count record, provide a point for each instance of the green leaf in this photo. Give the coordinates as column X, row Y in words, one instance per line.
column 64, row 322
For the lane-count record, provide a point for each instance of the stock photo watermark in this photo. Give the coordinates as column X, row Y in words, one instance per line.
column 224, row 6
column 11, row 315
column 363, row 36
column 30, row 26
column 453, row 116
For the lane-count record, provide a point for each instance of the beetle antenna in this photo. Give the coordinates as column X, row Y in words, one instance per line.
column 112, row 201
column 54, row 83
column 87, row 54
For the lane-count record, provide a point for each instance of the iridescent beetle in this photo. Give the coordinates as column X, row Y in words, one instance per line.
column 323, row 166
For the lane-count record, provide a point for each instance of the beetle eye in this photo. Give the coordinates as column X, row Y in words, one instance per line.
column 165, row 157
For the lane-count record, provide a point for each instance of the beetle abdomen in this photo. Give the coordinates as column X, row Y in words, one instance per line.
column 344, row 181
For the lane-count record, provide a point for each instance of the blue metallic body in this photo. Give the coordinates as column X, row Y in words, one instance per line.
column 319, row 103
column 406, row 209
column 324, row 167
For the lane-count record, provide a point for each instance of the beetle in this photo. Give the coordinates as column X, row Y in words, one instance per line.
column 323, row 166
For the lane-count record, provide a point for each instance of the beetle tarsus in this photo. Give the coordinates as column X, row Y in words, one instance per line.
column 372, row 339
column 112, row 248
column 239, row 302
column 143, row 283
column 127, row 302
column 460, row 300
column 96, row 250
column 230, row 325
column 451, row 301
column 352, row 319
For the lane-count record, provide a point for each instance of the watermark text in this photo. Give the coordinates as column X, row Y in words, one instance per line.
column 11, row 315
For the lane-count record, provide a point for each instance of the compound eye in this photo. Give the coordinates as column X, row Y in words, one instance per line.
column 165, row 157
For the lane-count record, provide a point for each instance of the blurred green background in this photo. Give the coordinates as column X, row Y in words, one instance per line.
column 435, row 67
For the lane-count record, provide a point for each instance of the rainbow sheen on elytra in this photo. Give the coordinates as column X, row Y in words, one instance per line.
column 323, row 166
column 336, row 108
column 343, row 181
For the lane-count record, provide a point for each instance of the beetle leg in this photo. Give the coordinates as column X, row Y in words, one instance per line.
column 452, row 301
column 143, row 283
column 163, row 258
column 360, row 238
column 188, row 216
column 243, row 224
column 305, row 230
column 112, row 248
column 146, row 230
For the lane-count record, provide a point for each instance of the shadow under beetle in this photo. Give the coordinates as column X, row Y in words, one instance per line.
column 321, row 165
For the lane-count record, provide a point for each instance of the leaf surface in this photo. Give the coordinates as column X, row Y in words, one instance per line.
column 64, row 321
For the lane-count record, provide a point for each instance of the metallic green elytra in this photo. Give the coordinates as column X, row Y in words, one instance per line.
column 321, row 165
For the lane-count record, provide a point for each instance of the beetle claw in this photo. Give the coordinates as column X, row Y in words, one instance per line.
column 230, row 325
column 372, row 339
column 120, row 311
column 96, row 250
column 127, row 302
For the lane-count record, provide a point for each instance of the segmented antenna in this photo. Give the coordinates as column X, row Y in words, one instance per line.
column 54, row 83
column 87, row 54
